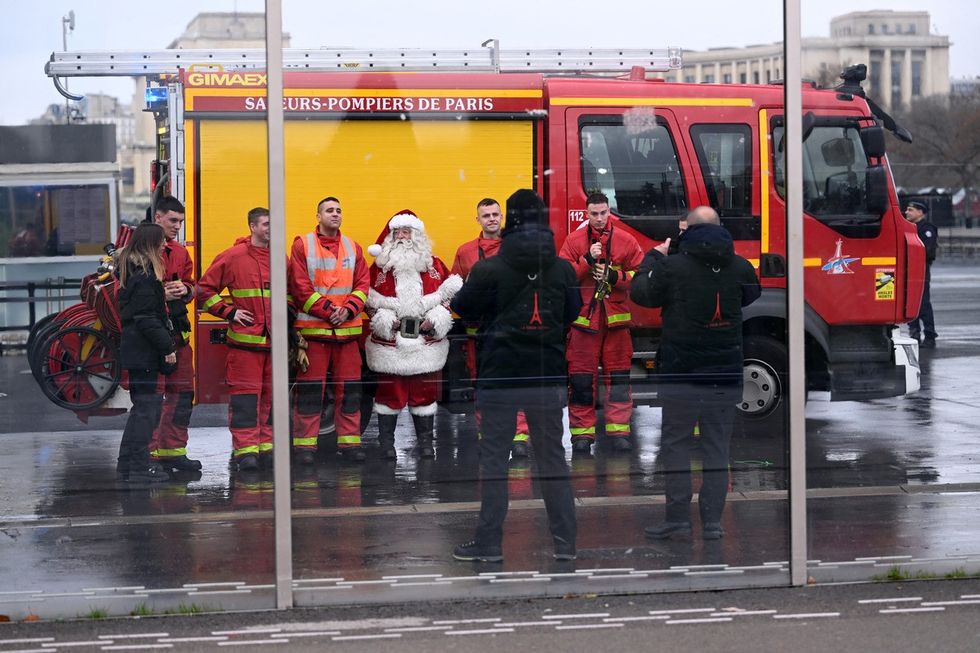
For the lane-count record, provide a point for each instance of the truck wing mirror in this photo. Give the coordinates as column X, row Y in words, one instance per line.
column 876, row 189
column 873, row 140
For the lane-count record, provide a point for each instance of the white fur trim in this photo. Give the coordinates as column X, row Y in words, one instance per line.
column 374, row 249
column 408, row 357
column 377, row 300
column 450, row 287
column 424, row 411
column 405, row 220
column 381, row 409
column 442, row 320
column 383, row 322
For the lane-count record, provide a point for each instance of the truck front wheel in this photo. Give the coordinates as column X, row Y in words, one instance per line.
column 763, row 409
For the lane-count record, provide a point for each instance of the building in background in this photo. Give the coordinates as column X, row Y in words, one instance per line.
column 905, row 60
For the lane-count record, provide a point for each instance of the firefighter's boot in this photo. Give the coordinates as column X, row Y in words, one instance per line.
column 386, row 436
column 424, row 427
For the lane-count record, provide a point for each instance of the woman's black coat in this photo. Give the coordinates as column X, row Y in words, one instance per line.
column 146, row 338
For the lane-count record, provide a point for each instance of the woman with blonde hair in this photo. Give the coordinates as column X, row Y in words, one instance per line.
column 146, row 349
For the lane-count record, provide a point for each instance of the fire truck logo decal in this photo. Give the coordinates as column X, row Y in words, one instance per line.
column 839, row 263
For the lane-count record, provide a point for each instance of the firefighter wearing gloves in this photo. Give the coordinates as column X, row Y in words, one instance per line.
column 244, row 270
column 169, row 443
column 604, row 257
column 410, row 318
column 328, row 281
column 485, row 246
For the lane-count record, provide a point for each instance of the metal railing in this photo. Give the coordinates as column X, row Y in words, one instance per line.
column 54, row 298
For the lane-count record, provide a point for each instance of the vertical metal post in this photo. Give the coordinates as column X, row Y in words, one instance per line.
column 793, row 100
column 277, row 278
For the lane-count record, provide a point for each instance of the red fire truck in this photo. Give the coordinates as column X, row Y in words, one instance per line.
column 361, row 128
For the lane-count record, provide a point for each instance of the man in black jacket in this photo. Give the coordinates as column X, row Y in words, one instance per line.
column 524, row 299
column 701, row 290
column 924, row 323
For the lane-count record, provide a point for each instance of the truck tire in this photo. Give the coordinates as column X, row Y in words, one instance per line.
column 762, row 412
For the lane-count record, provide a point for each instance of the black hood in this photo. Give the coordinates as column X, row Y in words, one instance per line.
column 710, row 243
column 529, row 247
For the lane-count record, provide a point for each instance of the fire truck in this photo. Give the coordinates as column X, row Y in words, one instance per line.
column 438, row 131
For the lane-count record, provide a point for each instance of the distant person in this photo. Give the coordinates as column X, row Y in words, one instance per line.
column 524, row 300
column 924, row 323
column 25, row 242
column 491, row 221
column 146, row 348
column 701, row 291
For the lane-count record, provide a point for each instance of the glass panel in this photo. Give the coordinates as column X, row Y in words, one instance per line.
column 113, row 410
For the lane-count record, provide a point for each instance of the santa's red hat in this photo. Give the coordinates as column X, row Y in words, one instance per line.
column 404, row 218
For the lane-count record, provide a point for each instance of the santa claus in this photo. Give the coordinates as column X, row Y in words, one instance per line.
column 410, row 318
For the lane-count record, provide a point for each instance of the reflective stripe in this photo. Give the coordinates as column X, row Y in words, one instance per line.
column 244, row 450
column 472, row 331
column 246, row 338
column 617, row 428
column 265, row 447
column 619, row 317
column 348, row 439
column 584, row 321
column 631, row 274
column 169, row 453
column 186, row 335
column 212, row 301
column 588, row 430
column 316, row 331
column 314, row 298
column 305, row 442
column 359, row 294
column 251, row 292
column 329, row 282
column 349, row 331
column 521, row 437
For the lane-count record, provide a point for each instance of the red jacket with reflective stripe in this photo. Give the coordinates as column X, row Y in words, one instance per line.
column 301, row 287
column 469, row 253
column 244, row 270
column 178, row 266
column 626, row 258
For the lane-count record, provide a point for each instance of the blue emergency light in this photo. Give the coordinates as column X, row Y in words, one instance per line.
column 155, row 97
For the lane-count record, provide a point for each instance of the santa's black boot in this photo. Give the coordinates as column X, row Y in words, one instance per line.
column 424, row 427
column 386, row 436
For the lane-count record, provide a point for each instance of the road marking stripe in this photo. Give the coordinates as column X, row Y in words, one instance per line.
column 250, row 642
column 904, row 610
column 135, row 636
column 486, row 631
column 181, row 640
column 521, row 624
column 416, row 629
column 967, row 602
column 657, row 617
column 806, row 615
column 408, row 576
column 588, row 626
column 583, row 615
column 707, row 620
column 742, row 613
column 346, row 638
column 535, row 579
column 895, row 600
column 685, row 611
column 311, row 633
column 233, row 583
column 452, row 622
column 247, row 631
column 27, row 640
column 27, row 650
column 97, row 642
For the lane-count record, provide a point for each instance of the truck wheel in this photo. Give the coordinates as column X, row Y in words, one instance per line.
column 763, row 409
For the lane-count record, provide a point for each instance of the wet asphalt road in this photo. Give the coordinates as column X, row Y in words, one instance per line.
column 891, row 477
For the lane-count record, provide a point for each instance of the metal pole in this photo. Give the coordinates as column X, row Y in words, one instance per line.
column 280, row 347
column 66, row 23
column 793, row 100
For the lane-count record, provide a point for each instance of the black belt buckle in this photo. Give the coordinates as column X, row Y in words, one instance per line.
column 410, row 327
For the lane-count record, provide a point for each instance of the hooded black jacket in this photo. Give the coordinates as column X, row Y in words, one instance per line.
column 524, row 299
column 146, row 337
column 701, row 290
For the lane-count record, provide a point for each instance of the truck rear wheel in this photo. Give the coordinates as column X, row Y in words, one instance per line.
column 763, row 407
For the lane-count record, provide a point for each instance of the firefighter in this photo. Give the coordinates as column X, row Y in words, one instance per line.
column 604, row 257
column 328, row 281
column 244, row 270
column 489, row 218
column 925, row 322
column 169, row 443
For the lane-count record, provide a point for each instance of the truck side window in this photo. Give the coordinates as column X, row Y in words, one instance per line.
column 636, row 169
column 725, row 156
column 834, row 178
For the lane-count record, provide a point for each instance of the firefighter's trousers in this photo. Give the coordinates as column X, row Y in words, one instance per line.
column 249, row 378
column 613, row 350
column 170, row 437
column 342, row 360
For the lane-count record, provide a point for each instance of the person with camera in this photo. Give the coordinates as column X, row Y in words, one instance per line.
column 604, row 256
column 328, row 281
column 243, row 269
column 410, row 319
column 146, row 348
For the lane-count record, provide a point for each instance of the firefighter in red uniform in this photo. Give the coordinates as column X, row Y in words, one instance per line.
column 168, row 445
column 488, row 216
column 410, row 319
column 244, row 270
column 328, row 281
column 605, row 258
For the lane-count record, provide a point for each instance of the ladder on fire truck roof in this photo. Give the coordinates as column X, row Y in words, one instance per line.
column 488, row 58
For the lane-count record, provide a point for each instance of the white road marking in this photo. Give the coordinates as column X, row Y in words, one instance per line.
column 895, row 600
column 961, row 602
column 28, row 650
column 250, row 642
column 453, row 622
column 181, row 640
column 343, row 638
column 486, row 631
column 522, row 624
column 135, row 636
column 247, row 631
column 27, row 640
column 97, row 642
column 806, row 615
column 416, row 629
column 588, row 626
column 685, row 611
column 583, row 615
column 534, row 579
column 741, row 613
column 310, row 633
column 708, row 620
column 658, row 617
column 906, row 610
column 412, row 576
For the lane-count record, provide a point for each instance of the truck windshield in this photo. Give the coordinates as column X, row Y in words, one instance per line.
column 834, row 178
column 637, row 170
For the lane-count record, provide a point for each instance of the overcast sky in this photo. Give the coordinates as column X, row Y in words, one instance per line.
column 30, row 31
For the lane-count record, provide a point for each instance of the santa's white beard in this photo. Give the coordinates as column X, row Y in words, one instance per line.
column 406, row 255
